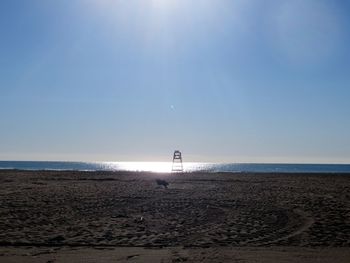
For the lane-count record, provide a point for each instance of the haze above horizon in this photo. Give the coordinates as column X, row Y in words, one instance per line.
column 221, row 80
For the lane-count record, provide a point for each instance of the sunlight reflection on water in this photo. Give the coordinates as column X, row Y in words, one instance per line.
column 157, row 167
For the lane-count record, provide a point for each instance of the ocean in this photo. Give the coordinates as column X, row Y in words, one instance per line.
column 166, row 167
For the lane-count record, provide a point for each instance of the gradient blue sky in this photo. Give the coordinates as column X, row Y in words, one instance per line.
column 132, row 80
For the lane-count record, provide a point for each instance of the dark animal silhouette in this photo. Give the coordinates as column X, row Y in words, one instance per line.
column 161, row 182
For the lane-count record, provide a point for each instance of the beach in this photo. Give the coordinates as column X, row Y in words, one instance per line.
column 75, row 216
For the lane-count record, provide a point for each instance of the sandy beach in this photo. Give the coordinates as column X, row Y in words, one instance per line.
column 56, row 216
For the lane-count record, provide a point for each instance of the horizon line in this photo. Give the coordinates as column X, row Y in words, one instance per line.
column 200, row 162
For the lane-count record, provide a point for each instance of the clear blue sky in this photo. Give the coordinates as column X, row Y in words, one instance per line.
column 221, row 80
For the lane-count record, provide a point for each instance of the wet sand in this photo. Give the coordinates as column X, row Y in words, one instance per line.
column 50, row 216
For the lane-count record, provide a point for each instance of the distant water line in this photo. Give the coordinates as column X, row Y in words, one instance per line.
column 165, row 167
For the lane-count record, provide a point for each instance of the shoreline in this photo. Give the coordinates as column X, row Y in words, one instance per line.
column 123, row 172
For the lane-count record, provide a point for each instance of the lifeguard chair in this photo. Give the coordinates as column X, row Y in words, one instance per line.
column 177, row 162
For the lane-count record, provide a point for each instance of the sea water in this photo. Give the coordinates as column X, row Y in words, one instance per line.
column 166, row 167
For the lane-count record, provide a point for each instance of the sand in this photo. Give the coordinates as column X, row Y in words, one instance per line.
column 55, row 216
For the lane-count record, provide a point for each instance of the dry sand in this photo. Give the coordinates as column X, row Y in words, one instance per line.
column 51, row 216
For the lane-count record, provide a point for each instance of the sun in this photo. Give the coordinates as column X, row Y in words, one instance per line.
column 165, row 4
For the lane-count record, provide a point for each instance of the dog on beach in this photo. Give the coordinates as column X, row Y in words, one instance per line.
column 161, row 182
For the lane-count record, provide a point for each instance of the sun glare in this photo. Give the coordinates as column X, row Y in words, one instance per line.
column 164, row 5
column 163, row 2
column 157, row 167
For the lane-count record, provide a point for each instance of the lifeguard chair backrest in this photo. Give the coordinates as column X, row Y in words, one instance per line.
column 177, row 154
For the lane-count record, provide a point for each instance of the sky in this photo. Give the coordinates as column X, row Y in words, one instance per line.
column 134, row 80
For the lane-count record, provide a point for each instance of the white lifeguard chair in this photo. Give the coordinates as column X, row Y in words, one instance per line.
column 177, row 162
